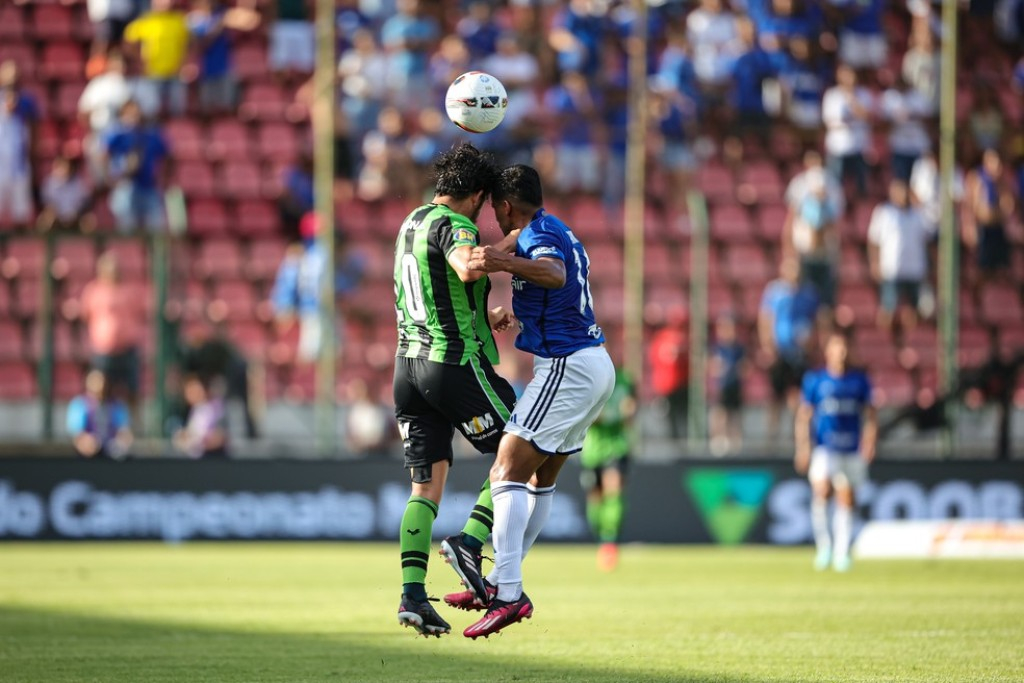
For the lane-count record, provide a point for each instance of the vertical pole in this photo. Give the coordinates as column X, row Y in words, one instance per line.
column 699, row 256
column 324, row 103
column 46, row 312
column 949, row 241
column 159, row 262
column 633, row 236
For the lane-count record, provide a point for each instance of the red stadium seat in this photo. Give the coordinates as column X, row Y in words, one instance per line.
column 716, row 182
column 195, row 179
column 21, row 54
column 278, row 142
column 234, row 298
column 256, row 218
column 48, row 140
column 68, row 380
column 720, row 302
column 5, row 299
column 65, row 102
column 26, row 258
column 762, row 182
column 747, row 266
column 207, row 217
column 265, row 102
column 12, row 23
column 52, row 22
column 62, row 62
column 606, row 258
column 862, row 302
column 240, row 180
column 264, row 258
column 1001, row 305
column 131, row 258
column 185, row 139
column 217, row 258
column 730, row 223
column 28, row 297
column 11, row 346
column 250, row 61
column 853, row 266
column 66, row 344
column 661, row 263
column 74, row 258
column 17, row 382
column 588, row 219
column 228, row 140
column 250, row 337
column 771, row 219
column 355, row 218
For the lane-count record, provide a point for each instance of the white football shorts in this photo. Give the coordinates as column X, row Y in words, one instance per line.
column 841, row 469
column 562, row 400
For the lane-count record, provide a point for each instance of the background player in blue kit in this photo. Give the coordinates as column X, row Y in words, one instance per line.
column 836, row 433
column 573, row 379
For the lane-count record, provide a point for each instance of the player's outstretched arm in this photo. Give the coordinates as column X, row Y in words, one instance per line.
column 544, row 272
column 459, row 259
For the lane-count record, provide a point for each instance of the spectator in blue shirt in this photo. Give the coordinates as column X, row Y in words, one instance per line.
column 575, row 111
column 615, row 112
column 786, row 326
column 675, row 68
column 778, row 21
column 409, row 37
column 749, row 71
column 728, row 361
column 134, row 154
column 98, row 424
column 296, row 199
column 208, row 24
column 479, row 30
column 576, row 35
column 674, row 117
column 803, row 80
column 862, row 43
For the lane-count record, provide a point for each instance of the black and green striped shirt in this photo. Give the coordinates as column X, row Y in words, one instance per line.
column 440, row 318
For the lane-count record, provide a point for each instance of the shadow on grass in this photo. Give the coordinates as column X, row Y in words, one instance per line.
column 58, row 647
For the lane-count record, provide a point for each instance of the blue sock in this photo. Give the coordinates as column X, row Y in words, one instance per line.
column 474, row 543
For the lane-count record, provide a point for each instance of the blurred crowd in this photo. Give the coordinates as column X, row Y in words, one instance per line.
column 842, row 95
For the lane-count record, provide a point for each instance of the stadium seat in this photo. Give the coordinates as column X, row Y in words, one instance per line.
column 853, row 266
column 588, row 219
column 1000, row 305
column 217, row 258
column 746, row 265
column 730, row 223
column 862, row 302
column 250, row 337
column 66, row 344
column 858, row 231
column 607, row 260
column 240, row 180
column 12, row 23
column 207, row 217
column 893, row 388
column 21, row 54
column 28, row 297
column 264, row 258
column 278, row 142
column 662, row 263
column 228, row 140
column 17, row 381
column 52, row 22
column 48, row 140
column 771, row 219
column 355, row 218
column 763, row 181
column 195, row 179
column 185, row 138
column 716, row 182
column 5, row 299
column 236, row 299
column 11, row 347
column 25, row 258
column 65, row 102
column 131, row 257
column 249, row 61
column 720, row 302
column 68, row 380
column 62, row 62
column 256, row 219
column 74, row 258
column 264, row 102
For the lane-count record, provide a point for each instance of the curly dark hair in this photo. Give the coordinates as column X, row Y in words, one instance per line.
column 465, row 170
column 520, row 183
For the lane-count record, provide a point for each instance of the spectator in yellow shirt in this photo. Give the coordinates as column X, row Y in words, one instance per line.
column 162, row 35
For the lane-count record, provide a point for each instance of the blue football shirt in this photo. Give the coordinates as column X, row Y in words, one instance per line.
column 839, row 403
column 554, row 322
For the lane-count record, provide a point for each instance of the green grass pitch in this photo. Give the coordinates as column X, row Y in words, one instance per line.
column 326, row 612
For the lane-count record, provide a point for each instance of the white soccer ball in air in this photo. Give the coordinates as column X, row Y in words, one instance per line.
column 476, row 102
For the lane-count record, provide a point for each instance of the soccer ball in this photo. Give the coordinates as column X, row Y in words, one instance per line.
column 476, row 102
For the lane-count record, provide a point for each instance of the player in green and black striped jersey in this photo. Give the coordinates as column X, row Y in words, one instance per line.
column 444, row 375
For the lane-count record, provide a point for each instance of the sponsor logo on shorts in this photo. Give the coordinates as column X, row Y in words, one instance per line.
column 478, row 425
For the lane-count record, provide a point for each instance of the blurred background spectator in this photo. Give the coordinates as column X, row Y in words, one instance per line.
column 99, row 423
column 292, row 42
column 66, row 197
column 134, row 154
column 670, row 371
column 161, row 35
column 728, row 365
column 204, row 433
column 15, row 162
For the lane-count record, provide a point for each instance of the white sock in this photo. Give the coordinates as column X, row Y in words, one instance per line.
column 540, row 509
column 819, row 524
column 511, row 516
column 842, row 529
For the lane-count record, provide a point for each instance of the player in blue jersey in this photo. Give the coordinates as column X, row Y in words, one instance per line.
column 836, row 433
column 573, row 378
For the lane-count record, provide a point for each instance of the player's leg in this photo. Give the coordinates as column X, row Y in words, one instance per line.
column 478, row 401
column 851, row 473
column 612, row 513
column 820, row 476
column 590, row 481
column 427, row 439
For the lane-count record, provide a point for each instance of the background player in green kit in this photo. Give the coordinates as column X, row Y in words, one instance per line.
column 444, row 375
column 604, row 460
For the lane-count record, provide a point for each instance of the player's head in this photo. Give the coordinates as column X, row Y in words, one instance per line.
column 465, row 173
column 899, row 192
column 837, row 351
column 517, row 195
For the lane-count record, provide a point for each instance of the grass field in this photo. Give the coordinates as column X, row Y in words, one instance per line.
column 264, row 612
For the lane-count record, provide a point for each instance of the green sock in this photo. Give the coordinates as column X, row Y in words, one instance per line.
column 481, row 519
column 611, row 517
column 595, row 504
column 414, row 542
